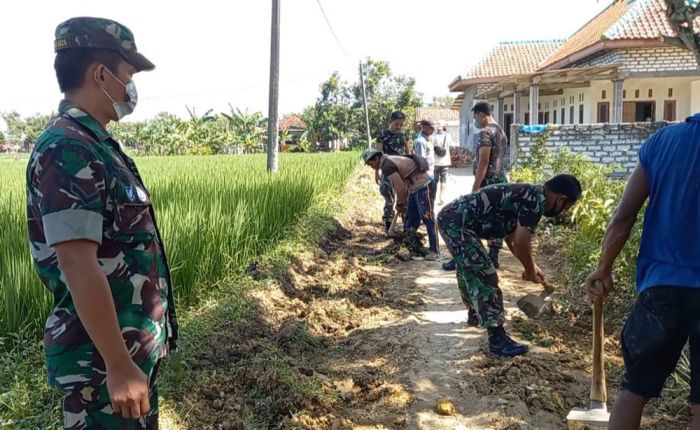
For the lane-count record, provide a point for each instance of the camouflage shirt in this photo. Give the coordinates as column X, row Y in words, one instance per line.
column 491, row 136
column 496, row 210
column 80, row 185
column 392, row 143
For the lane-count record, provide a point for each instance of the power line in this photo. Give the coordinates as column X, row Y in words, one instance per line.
column 330, row 27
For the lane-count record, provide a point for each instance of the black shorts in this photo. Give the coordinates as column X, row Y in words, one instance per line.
column 441, row 174
column 657, row 329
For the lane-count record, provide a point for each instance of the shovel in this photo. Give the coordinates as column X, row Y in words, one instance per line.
column 535, row 305
column 597, row 415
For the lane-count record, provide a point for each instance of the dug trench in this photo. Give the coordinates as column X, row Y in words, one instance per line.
column 357, row 334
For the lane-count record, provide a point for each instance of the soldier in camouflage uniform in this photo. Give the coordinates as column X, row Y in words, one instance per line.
column 94, row 239
column 391, row 141
column 490, row 145
column 510, row 211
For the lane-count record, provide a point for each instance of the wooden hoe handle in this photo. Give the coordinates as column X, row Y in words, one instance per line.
column 598, row 390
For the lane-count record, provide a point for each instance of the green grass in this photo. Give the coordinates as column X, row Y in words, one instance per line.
column 215, row 213
column 26, row 402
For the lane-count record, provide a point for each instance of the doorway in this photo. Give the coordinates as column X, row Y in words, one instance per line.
column 507, row 122
column 639, row 111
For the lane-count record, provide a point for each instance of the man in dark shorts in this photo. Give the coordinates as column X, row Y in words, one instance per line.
column 442, row 142
column 666, row 315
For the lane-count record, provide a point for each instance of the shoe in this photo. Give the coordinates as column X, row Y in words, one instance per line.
column 449, row 266
column 432, row 256
column 493, row 255
column 472, row 320
column 501, row 344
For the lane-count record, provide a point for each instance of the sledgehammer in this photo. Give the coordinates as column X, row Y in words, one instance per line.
column 597, row 415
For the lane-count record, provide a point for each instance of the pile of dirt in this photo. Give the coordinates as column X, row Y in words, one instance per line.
column 257, row 374
column 409, row 244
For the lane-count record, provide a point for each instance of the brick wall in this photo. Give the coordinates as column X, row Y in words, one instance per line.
column 657, row 59
column 661, row 59
column 606, row 144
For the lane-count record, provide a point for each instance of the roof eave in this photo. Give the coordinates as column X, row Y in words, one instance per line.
column 464, row 84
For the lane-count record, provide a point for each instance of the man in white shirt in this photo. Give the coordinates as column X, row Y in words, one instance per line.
column 442, row 142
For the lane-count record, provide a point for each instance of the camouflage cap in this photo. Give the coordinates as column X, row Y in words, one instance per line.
column 369, row 154
column 100, row 33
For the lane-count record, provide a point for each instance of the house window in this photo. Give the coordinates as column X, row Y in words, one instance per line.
column 571, row 115
column 571, row 100
column 554, row 116
column 651, row 93
column 603, row 95
column 580, row 114
column 636, row 94
column 539, row 106
column 670, row 110
column 563, row 116
column 670, row 92
column 546, row 118
column 527, row 118
column 554, row 103
column 624, row 94
column 603, row 112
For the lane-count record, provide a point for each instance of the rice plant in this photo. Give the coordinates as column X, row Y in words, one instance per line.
column 216, row 213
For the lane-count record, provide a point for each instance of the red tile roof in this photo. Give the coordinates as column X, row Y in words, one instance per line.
column 437, row 113
column 290, row 121
column 590, row 33
column 645, row 19
column 514, row 58
column 622, row 20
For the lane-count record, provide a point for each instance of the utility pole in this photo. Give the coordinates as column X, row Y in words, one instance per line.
column 364, row 103
column 273, row 114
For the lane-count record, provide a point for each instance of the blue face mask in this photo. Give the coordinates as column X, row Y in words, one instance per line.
column 123, row 109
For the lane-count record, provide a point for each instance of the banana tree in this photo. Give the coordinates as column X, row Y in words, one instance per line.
column 249, row 129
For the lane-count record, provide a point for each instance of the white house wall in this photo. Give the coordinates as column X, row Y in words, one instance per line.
column 686, row 93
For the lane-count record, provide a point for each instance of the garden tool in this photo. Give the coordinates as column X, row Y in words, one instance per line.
column 392, row 226
column 597, row 415
column 535, row 305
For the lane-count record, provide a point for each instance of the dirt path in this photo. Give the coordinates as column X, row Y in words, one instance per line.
column 351, row 337
column 416, row 349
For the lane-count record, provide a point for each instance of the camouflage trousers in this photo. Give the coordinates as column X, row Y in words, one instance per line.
column 387, row 191
column 498, row 179
column 476, row 275
column 90, row 408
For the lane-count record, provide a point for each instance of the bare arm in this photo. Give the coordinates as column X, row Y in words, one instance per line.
column 619, row 229
column 379, row 146
column 400, row 189
column 484, row 155
column 521, row 246
column 127, row 385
